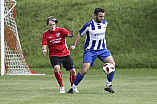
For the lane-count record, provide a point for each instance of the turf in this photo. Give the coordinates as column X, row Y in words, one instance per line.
column 132, row 86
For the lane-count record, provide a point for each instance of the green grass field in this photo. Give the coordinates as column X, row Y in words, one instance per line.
column 132, row 86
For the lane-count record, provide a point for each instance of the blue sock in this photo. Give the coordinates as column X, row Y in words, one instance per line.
column 78, row 79
column 110, row 77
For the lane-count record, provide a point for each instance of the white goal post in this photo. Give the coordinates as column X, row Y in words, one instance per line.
column 12, row 59
column 2, row 36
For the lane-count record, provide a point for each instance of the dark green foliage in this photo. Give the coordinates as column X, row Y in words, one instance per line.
column 131, row 33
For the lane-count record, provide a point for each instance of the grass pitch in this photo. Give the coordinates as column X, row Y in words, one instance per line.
column 132, row 86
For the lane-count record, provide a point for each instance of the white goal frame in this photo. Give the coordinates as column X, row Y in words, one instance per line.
column 12, row 58
column 2, row 36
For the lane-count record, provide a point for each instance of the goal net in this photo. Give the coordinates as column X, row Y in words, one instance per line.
column 14, row 60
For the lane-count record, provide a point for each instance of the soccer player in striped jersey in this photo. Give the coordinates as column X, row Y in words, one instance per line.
column 54, row 38
column 95, row 46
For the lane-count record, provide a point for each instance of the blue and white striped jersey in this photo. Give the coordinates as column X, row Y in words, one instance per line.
column 95, row 38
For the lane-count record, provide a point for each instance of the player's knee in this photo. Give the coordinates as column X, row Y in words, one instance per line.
column 72, row 72
column 56, row 68
column 114, row 63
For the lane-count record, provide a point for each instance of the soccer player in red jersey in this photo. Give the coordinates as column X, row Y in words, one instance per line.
column 54, row 38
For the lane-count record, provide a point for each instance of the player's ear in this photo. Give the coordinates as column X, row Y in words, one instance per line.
column 95, row 15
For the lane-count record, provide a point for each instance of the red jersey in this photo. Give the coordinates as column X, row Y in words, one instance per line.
column 56, row 42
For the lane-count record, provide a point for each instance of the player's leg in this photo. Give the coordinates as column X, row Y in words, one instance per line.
column 79, row 77
column 109, row 59
column 72, row 76
column 88, row 60
column 72, row 79
column 106, row 57
column 69, row 66
column 58, row 75
column 81, row 74
column 55, row 62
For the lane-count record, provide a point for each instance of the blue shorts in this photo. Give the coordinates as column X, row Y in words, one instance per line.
column 90, row 55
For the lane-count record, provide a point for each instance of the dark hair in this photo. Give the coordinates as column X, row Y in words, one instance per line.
column 97, row 10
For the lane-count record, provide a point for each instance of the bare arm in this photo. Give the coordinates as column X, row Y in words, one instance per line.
column 78, row 36
column 44, row 49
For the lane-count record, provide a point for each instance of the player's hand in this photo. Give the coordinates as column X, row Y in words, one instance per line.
column 72, row 47
column 44, row 53
column 71, row 33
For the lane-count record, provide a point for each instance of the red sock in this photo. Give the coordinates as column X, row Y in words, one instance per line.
column 72, row 79
column 58, row 76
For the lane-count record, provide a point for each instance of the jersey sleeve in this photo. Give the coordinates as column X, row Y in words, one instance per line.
column 65, row 32
column 44, row 40
column 83, row 30
column 105, row 22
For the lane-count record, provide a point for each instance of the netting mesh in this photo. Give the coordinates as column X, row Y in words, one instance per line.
column 15, row 62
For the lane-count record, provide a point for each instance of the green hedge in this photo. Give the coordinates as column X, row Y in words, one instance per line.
column 131, row 33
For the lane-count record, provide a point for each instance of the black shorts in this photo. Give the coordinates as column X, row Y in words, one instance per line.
column 66, row 62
